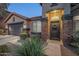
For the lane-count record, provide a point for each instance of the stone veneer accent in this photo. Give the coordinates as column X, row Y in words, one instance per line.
column 44, row 30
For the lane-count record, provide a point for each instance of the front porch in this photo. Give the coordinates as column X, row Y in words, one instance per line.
column 53, row 26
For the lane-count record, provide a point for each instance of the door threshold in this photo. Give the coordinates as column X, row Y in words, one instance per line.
column 54, row 41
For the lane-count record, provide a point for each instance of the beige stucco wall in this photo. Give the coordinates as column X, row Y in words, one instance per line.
column 17, row 19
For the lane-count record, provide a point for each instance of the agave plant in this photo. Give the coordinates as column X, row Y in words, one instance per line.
column 31, row 47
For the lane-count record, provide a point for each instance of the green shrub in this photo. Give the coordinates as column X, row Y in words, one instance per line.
column 76, row 36
column 75, row 42
column 23, row 35
column 1, row 31
column 4, row 49
column 31, row 47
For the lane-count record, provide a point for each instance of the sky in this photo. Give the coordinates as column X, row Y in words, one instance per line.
column 26, row 9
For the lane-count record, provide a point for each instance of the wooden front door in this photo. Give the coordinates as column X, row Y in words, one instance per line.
column 55, row 30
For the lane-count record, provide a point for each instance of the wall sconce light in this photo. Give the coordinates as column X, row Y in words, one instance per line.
column 6, row 26
column 24, row 26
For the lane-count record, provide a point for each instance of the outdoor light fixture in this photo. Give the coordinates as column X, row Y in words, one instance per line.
column 24, row 26
column 6, row 26
column 55, row 18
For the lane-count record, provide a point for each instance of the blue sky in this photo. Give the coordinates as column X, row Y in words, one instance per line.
column 26, row 9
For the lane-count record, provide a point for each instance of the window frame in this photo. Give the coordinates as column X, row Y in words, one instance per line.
column 76, row 25
column 37, row 26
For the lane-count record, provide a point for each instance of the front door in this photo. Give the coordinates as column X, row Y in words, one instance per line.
column 55, row 30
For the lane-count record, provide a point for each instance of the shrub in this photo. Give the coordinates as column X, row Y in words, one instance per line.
column 31, row 47
column 23, row 35
column 4, row 49
column 75, row 42
column 1, row 31
column 76, row 36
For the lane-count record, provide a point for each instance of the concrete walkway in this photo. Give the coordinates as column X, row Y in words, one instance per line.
column 57, row 49
column 53, row 50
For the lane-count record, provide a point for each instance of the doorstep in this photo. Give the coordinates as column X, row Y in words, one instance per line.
column 55, row 41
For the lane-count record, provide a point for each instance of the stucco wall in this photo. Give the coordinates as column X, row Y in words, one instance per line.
column 17, row 19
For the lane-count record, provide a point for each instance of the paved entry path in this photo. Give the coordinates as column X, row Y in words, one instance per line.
column 57, row 49
column 7, row 38
column 53, row 50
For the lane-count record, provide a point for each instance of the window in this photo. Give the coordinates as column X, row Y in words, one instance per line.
column 77, row 25
column 36, row 26
column 13, row 19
